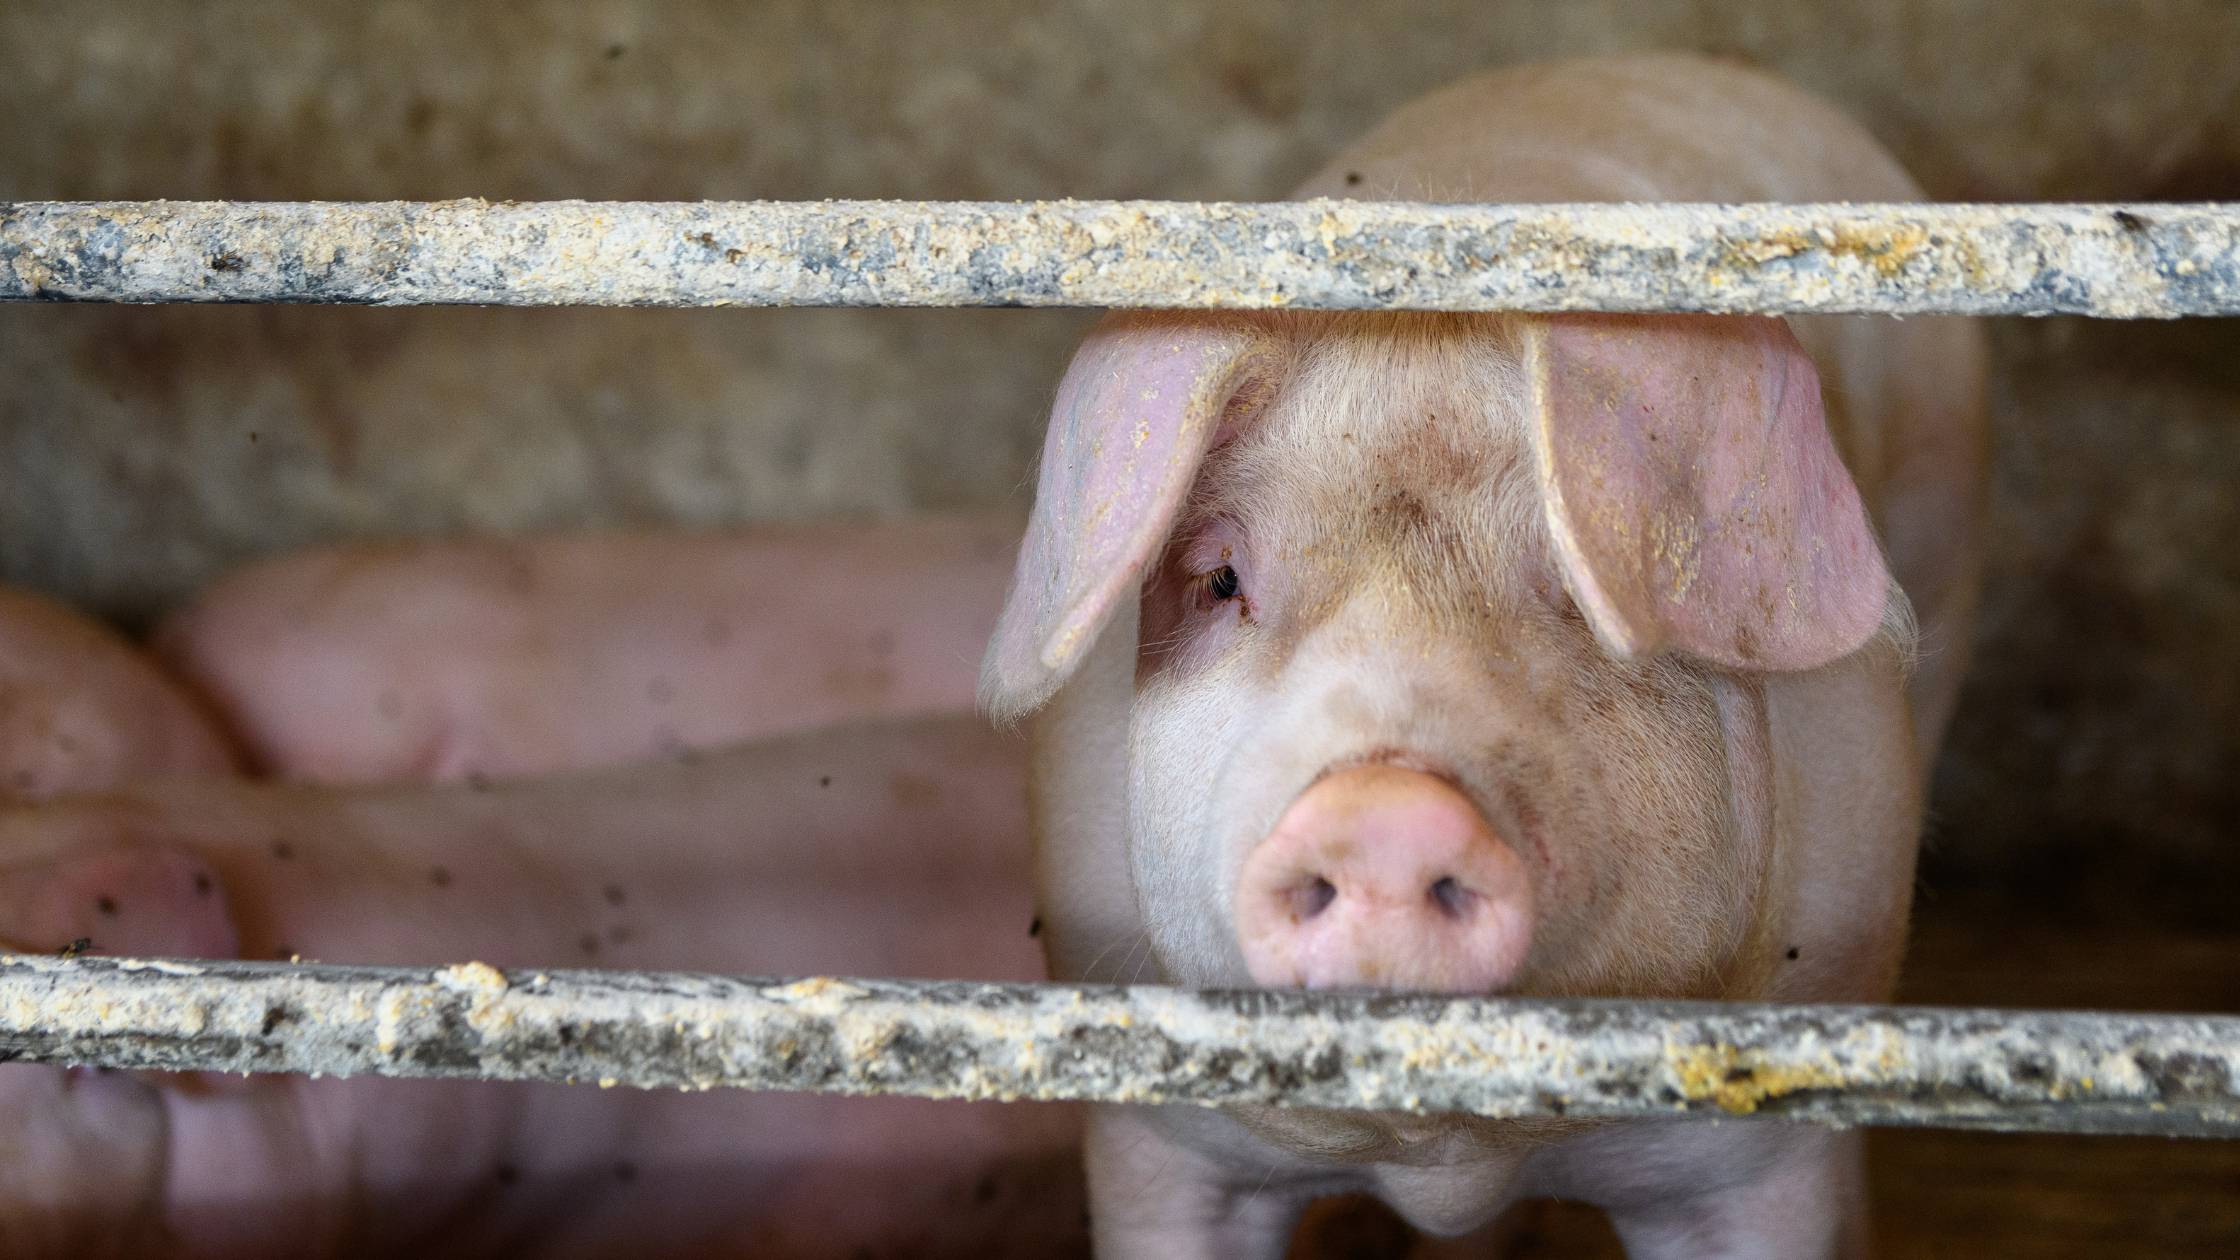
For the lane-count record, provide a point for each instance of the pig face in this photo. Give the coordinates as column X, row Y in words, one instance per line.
column 1450, row 635
column 1359, row 578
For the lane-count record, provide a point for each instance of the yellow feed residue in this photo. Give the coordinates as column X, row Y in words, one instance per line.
column 1736, row 1082
column 473, row 977
column 1885, row 248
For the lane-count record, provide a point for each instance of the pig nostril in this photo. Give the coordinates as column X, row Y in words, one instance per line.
column 1314, row 898
column 1452, row 898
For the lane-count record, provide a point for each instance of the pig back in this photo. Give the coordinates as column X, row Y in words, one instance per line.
column 1904, row 398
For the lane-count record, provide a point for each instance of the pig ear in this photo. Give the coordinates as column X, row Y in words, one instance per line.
column 1694, row 497
column 1139, row 407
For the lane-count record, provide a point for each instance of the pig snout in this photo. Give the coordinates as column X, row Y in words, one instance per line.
column 1379, row 876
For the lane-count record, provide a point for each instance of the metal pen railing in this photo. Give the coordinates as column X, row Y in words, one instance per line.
column 2033, row 1070
column 2125, row 262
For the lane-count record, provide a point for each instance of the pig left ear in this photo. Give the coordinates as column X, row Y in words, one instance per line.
column 1142, row 402
column 1694, row 497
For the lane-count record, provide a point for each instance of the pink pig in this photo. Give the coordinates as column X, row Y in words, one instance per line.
column 1501, row 654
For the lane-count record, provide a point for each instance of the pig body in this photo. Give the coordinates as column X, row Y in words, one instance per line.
column 1546, row 656
column 81, row 708
column 883, row 850
column 507, row 658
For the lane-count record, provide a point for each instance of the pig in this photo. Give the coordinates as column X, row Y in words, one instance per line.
column 884, row 850
column 445, row 661
column 824, row 846
column 1550, row 656
column 81, row 707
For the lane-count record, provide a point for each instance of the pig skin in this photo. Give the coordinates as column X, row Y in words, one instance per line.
column 882, row 850
column 878, row 850
column 503, row 658
column 1694, row 829
column 82, row 708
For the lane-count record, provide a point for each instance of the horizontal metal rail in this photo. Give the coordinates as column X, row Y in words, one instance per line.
column 1841, row 1065
column 2117, row 261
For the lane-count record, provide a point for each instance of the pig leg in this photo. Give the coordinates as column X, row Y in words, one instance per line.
column 883, row 851
column 503, row 658
column 1789, row 1192
column 1153, row 1197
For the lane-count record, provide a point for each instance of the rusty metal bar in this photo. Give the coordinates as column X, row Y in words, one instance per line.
column 2116, row 261
column 1957, row 1068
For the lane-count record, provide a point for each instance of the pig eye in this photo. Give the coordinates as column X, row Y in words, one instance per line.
column 1215, row 587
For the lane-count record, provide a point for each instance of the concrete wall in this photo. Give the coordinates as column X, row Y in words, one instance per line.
column 141, row 451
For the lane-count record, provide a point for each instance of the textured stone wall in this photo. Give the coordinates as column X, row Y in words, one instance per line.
column 143, row 450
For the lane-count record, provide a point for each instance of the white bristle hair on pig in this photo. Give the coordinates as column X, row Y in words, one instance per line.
column 1536, row 655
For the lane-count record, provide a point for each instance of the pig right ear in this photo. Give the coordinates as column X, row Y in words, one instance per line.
column 1142, row 402
column 1692, row 491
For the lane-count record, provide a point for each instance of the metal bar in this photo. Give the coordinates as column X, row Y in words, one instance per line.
column 2127, row 262
column 1841, row 1065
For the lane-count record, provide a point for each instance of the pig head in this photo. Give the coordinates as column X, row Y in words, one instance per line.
column 1459, row 653
column 1547, row 656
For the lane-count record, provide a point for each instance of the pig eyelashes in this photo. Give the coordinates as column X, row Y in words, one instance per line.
column 1215, row 586
column 1188, row 619
column 1207, row 556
